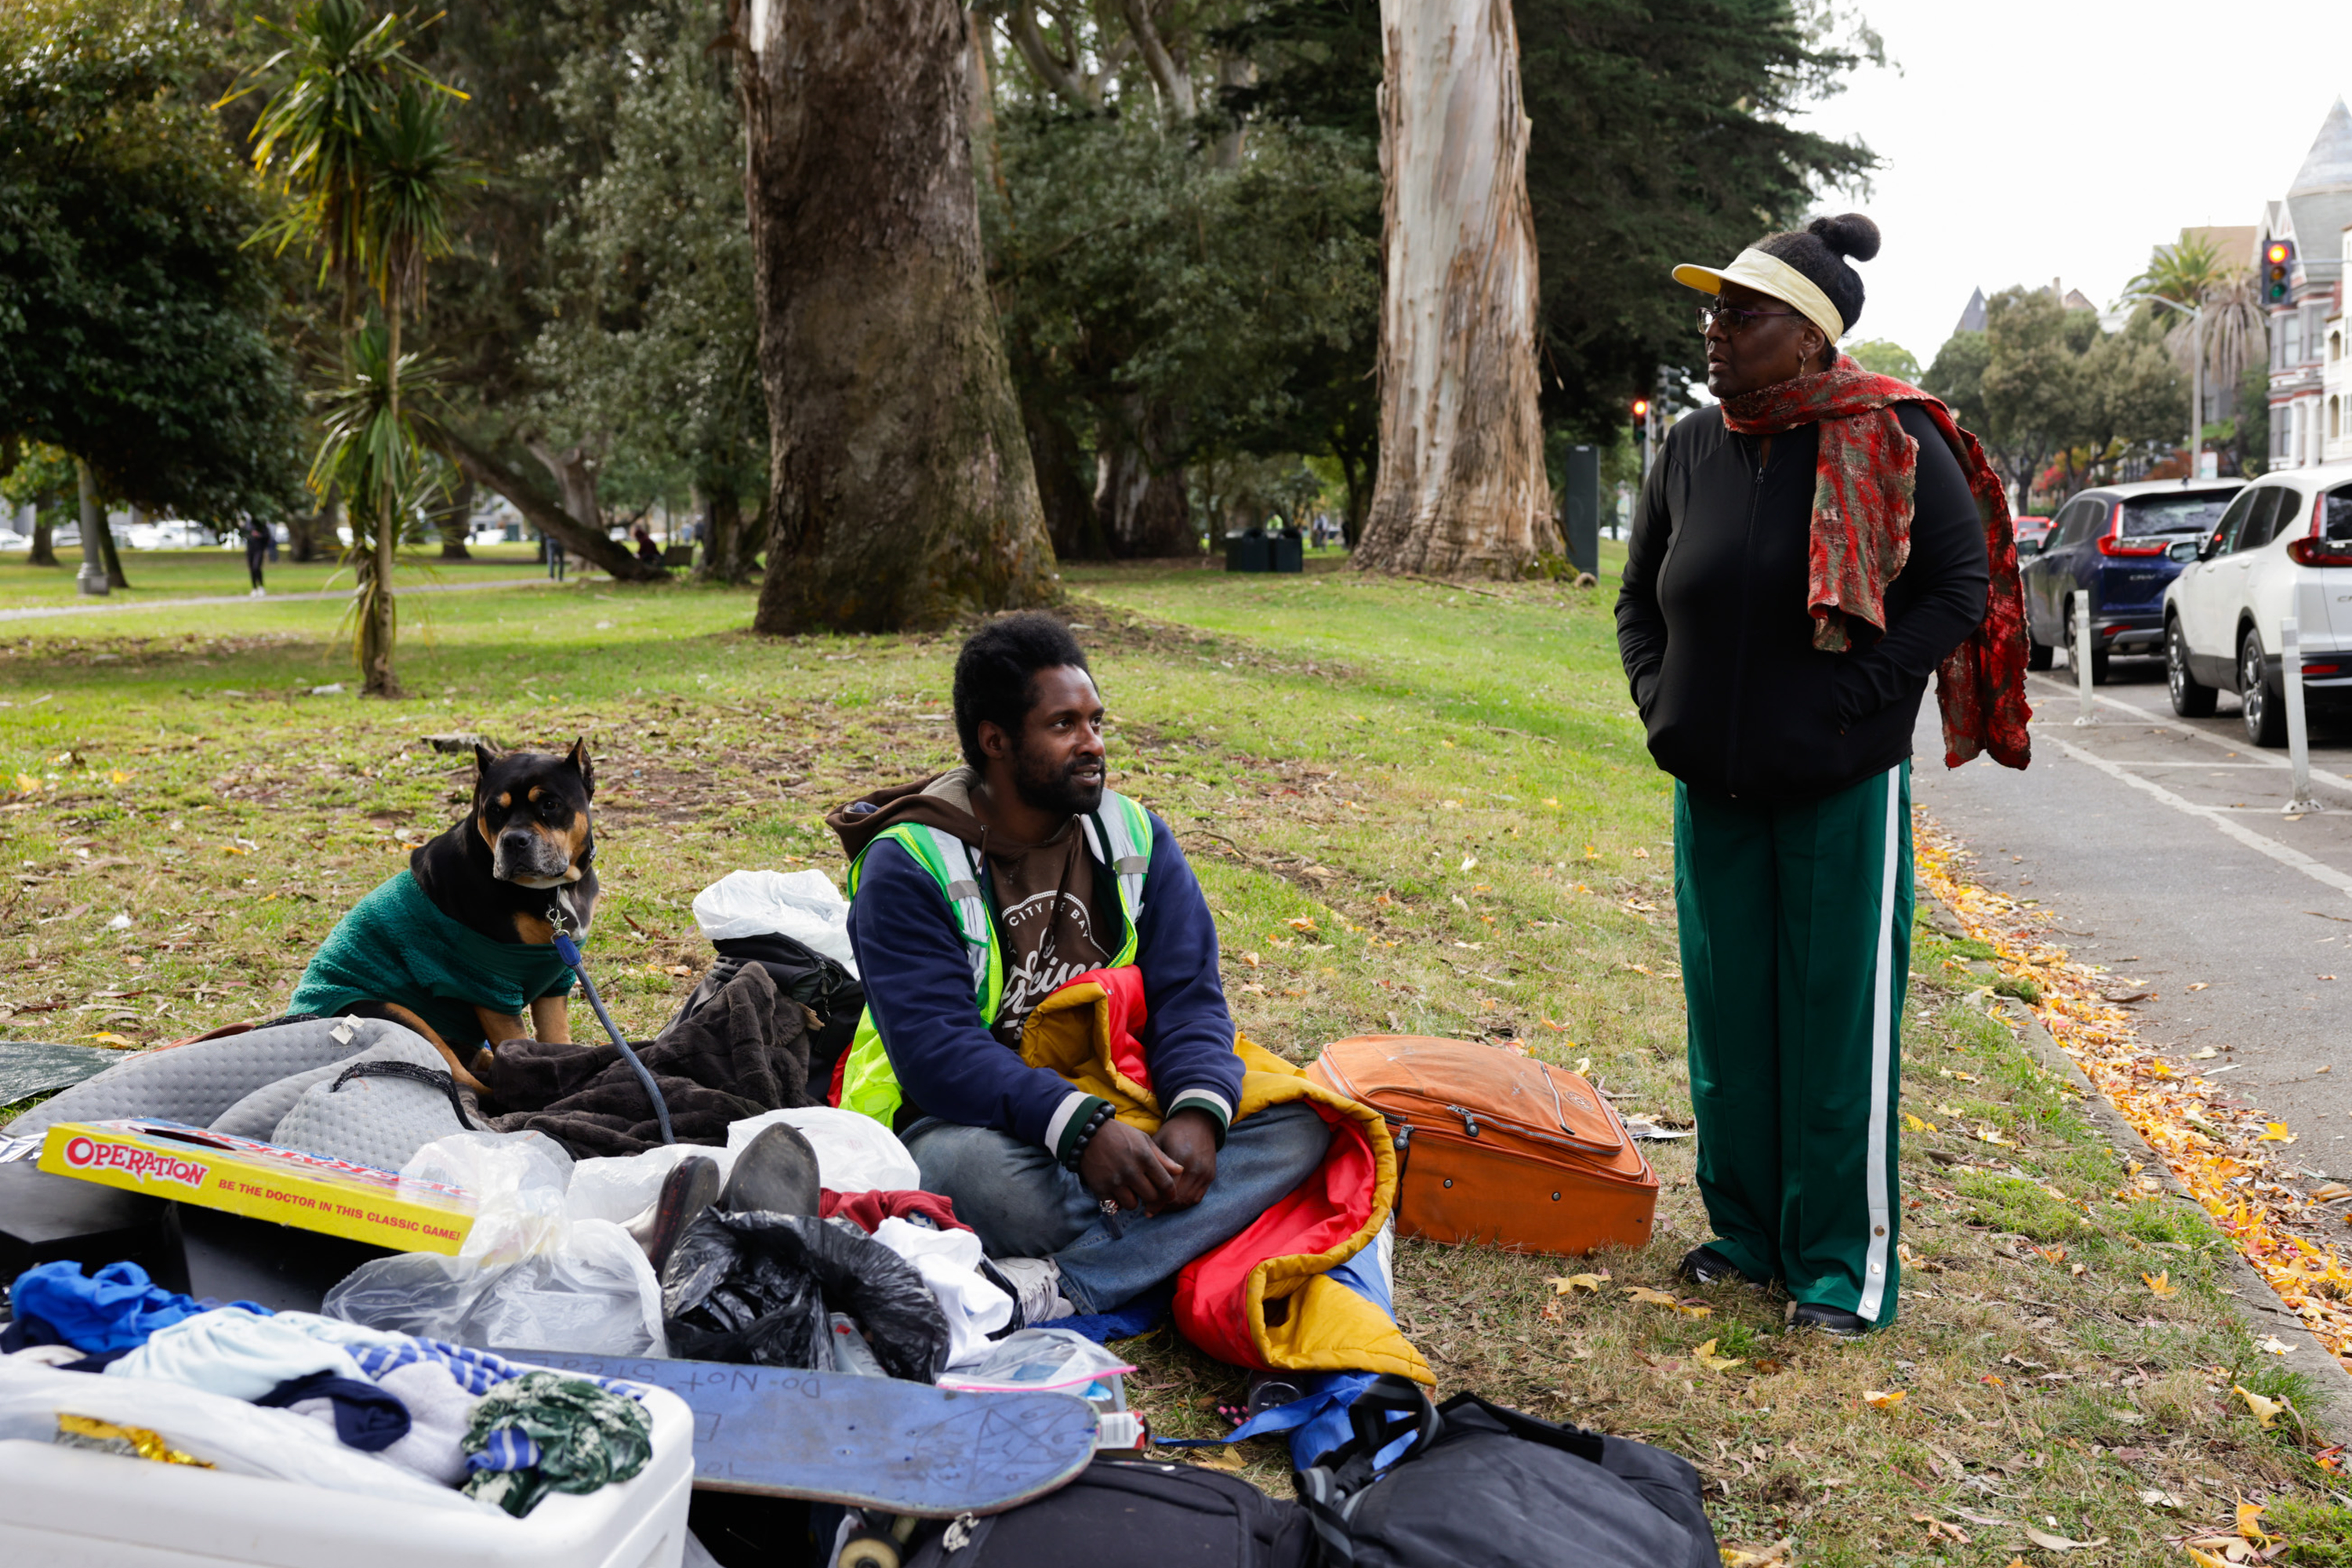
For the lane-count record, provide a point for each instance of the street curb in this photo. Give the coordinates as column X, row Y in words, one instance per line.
column 2257, row 1304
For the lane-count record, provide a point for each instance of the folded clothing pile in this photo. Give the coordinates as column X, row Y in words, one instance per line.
column 248, row 1390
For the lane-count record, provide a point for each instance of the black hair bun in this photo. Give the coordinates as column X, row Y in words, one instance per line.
column 1850, row 235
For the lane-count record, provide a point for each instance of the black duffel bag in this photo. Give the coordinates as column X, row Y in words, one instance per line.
column 1482, row 1485
column 1131, row 1511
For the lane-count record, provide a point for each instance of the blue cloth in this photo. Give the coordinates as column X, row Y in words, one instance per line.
column 1124, row 1324
column 1317, row 1420
column 476, row 1372
column 233, row 1351
column 368, row 1418
column 114, row 1309
column 919, row 986
column 506, row 1449
column 1024, row 1203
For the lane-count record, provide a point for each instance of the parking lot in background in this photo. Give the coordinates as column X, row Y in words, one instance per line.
column 2160, row 845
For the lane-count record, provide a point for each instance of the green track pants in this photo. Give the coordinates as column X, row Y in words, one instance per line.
column 1796, row 944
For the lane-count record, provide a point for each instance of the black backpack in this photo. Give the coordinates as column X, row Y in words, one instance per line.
column 1131, row 1511
column 806, row 975
column 1482, row 1485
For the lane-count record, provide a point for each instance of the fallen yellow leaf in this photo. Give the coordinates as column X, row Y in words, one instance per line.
column 1773, row 1556
column 2249, row 1525
column 2199, row 986
column 2160, row 1284
column 1705, row 1355
column 2275, row 1132
column 2204, row 1559
column 2265, row 1411
column 2050, row 1542
column 1877, row 1400
column 2206, row 1055
column 1913, row 1124
column 1568, row 1284
column 1649, row 1297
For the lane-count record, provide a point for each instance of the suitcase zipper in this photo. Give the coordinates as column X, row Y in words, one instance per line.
column 1469, row 1121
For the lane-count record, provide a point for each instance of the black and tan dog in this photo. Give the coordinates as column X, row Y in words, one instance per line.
column 500, row 881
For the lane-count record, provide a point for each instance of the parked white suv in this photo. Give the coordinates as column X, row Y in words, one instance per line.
column 2283, row 547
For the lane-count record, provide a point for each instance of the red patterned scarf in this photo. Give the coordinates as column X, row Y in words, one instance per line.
column 1862, row 536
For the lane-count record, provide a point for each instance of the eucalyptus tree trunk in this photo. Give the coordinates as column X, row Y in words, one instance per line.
column 901, row 490
column 728, row 541
column 1461, row 490
column 45, row 551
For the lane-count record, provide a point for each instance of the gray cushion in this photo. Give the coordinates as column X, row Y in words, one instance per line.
column 378, row 1121
column 198, row 1083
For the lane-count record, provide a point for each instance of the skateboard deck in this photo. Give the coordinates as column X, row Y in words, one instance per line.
column 866, row 1441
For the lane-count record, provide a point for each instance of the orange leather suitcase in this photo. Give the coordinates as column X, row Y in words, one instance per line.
column 1497, row 1148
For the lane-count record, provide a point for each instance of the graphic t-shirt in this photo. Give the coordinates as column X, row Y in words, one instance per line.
column 1043, row 898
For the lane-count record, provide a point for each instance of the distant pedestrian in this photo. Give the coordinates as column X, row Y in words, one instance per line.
column 555, row 559
column 257, row 541
column 1803, row 556
column 647, row 550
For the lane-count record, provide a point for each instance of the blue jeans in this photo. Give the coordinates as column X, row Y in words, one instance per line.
column 1024, row 1204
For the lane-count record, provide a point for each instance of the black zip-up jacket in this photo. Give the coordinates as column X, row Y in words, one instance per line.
column 1717, row 641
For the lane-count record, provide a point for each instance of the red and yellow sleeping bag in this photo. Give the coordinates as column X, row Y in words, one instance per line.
column 1261, row 1300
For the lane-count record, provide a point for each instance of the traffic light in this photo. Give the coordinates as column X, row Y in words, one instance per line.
column 2278, row 261
column 1641, row 408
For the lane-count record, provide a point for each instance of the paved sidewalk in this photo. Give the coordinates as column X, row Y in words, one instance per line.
column 44, row 610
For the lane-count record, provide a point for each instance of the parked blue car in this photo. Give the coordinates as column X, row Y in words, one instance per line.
column 2116, row 543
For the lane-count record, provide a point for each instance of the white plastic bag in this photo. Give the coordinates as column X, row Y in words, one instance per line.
column 1035, row 1359
column 803, row 905
column 948, row 1261
column 528, row 1276
column 854, row 1153
column 620, row 1187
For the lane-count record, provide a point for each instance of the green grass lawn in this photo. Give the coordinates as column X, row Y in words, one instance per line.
column 1414, row 808
column 188, row 573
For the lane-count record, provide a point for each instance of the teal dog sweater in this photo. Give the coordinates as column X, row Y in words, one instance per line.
column 397, row 946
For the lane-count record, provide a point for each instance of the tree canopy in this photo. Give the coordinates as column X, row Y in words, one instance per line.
column 138, row 331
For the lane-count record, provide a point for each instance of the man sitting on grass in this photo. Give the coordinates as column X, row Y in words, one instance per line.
column 976, row 895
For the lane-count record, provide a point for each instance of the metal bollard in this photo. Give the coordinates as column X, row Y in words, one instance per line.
column 2298, row 736
column 2081, row 601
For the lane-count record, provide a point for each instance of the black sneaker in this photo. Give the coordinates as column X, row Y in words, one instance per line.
column 1833, row 1320
column 776, row 1173
column 1705, row 1266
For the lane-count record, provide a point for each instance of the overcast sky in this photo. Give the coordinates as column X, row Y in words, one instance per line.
column 2027, row 140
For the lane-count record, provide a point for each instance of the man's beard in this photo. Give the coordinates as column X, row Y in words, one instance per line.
column 1044, row 787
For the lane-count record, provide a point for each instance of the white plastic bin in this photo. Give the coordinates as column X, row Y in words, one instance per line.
column 103, row 1510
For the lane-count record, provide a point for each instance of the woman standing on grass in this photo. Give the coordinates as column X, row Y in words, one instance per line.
column 1804, row 553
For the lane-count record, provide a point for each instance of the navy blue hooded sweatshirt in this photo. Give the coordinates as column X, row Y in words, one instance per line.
column 911, row 957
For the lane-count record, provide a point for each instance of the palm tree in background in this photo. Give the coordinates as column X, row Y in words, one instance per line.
column 2237, row 328
column 354, row 137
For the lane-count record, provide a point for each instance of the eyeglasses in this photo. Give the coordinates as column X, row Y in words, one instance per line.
column 1734, row 318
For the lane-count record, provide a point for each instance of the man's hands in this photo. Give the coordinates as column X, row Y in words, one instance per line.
column 1135, row 1171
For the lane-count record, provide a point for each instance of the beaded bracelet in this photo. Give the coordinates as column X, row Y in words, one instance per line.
column 1085, row 1135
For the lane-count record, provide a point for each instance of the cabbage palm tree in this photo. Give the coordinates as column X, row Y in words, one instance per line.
column 354, row 137
column 2195, row 277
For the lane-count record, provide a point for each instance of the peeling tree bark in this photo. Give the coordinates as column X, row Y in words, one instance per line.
column 1462, row 490
column 1144, row 502
column 902, row 493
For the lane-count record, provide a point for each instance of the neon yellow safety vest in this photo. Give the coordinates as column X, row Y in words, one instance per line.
column 1119, row 836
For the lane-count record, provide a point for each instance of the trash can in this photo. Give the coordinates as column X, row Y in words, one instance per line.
column 1249, row 551
column 1288, row 551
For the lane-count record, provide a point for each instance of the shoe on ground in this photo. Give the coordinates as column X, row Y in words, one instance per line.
column 1706, row 1266
column 255, row 594
column 1833, row 1321
column 776, row 1173
column 692, row 1186
column 1035, row 1286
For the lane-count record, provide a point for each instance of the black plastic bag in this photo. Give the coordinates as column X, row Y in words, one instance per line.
column 757, row 1287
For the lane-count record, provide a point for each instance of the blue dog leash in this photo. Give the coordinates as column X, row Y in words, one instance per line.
column 568, row 950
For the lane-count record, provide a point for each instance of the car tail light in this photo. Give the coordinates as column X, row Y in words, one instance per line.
column 2110, row 546
column 2323, row 669
column 2310, row 552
